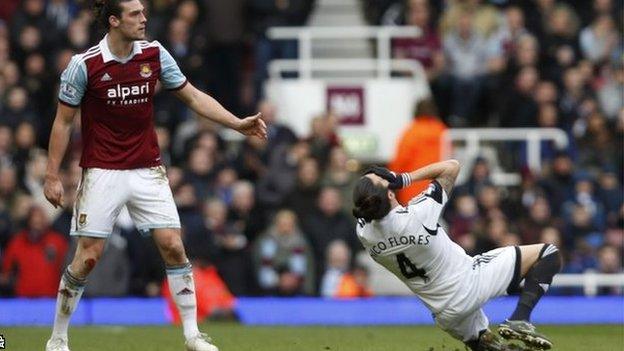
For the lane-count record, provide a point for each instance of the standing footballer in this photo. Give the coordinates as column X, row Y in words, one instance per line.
column 113, row 84
column 409, row 242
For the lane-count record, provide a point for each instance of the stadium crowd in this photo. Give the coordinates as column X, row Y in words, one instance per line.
column 273, row 217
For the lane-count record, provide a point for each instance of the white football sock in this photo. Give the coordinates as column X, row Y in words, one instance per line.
column 182, row 289
column 70, row 291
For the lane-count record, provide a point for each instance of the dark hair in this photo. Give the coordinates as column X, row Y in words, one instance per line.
column 370, row 200
column 103, row 9
column 426, row 107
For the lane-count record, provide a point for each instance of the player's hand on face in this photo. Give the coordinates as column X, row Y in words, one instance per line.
column 253, row 126
column 394, row 181
column 53, row 190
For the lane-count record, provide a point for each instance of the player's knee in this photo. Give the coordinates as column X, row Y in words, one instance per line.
column 85, row 261
column 173, row 249
column 551, row 252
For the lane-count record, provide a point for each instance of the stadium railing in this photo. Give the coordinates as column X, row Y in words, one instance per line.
column 306, row 63
column 468, row 143
column 371, row 94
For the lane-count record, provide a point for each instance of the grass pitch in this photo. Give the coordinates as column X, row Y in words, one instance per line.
column 235, row 337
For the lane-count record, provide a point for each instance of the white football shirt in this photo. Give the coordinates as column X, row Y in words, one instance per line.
column 410, row 243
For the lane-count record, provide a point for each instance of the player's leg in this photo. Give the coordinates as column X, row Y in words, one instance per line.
column 72, row 284
column 473, row 331
column 181, row 286
column 539, row 264
column 95, row 213
column 152, row 208
column 179, row 277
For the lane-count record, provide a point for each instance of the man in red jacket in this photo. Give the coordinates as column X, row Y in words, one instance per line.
column 35, row 257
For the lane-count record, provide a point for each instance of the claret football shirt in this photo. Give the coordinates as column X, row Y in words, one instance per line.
column 115, row 98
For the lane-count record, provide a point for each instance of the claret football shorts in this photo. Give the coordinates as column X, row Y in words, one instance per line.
column 102, row 193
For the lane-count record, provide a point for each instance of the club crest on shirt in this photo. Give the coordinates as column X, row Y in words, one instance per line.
column 82, row 219
column 145, row 70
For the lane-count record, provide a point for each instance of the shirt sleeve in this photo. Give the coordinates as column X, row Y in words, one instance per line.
column 429, row 205
column 171, row 77
column 73, row 82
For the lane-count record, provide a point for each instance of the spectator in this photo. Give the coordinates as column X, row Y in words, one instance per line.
column 599, row 40
column 201, row 172
column 520, row 110
column 340, row 175
column 232, row 259
column 197, row 238
column 305, row 193
column 420, row 144
column 252, row 161
column 596, row 143
column 427, row 47
column 468, row 56
column 247, row 216
column 17, row 109
column 6, row 145
column 323, row 137
column 610, row 95
column 479, row 177
column 282, row 173
column 560, row 46
column 189, row 57
column 281, row 250
column 559, row 185
column 538, row 219
column 611, row 194
column 277, row 133
column 225, row 25
column 585, row 196
column 339, row 280
column 328, row 223
column 337, row 266
column 272, row 13
column 610, row 262
column 34, row 258
column 60, row 13
column 34, row 178
column 464, row 221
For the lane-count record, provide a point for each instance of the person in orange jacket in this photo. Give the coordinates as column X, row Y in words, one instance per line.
column 420, row 144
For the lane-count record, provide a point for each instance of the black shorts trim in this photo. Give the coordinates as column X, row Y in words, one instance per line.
column 514, row 285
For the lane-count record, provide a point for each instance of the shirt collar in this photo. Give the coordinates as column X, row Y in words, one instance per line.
column 107, row 55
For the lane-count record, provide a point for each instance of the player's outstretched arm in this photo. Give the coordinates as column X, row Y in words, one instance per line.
column 59, row 139
column 444, row 172
column 206, row 106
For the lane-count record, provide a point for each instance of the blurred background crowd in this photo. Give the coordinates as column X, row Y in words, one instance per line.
column 273, row 217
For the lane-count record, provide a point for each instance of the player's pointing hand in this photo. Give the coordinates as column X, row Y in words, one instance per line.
column 253, row 126
column 53, row 190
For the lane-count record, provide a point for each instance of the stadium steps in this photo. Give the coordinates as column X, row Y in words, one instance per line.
column 339, row 13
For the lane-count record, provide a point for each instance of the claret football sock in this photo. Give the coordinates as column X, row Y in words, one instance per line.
column 182, row 290
column 537, row 282
column 69, row 293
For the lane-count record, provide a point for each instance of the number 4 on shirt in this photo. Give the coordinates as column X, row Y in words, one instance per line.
column 408, row 269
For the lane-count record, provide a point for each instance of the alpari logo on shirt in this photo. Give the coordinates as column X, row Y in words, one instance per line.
column 127, row 95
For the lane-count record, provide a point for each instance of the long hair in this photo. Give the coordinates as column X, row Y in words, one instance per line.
column 370, row 200
column 103, row 9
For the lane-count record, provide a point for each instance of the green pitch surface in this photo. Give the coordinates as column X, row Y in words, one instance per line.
column 235, row 337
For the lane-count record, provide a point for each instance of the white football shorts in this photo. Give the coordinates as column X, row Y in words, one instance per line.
column 494, row 273
column 102, row 193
